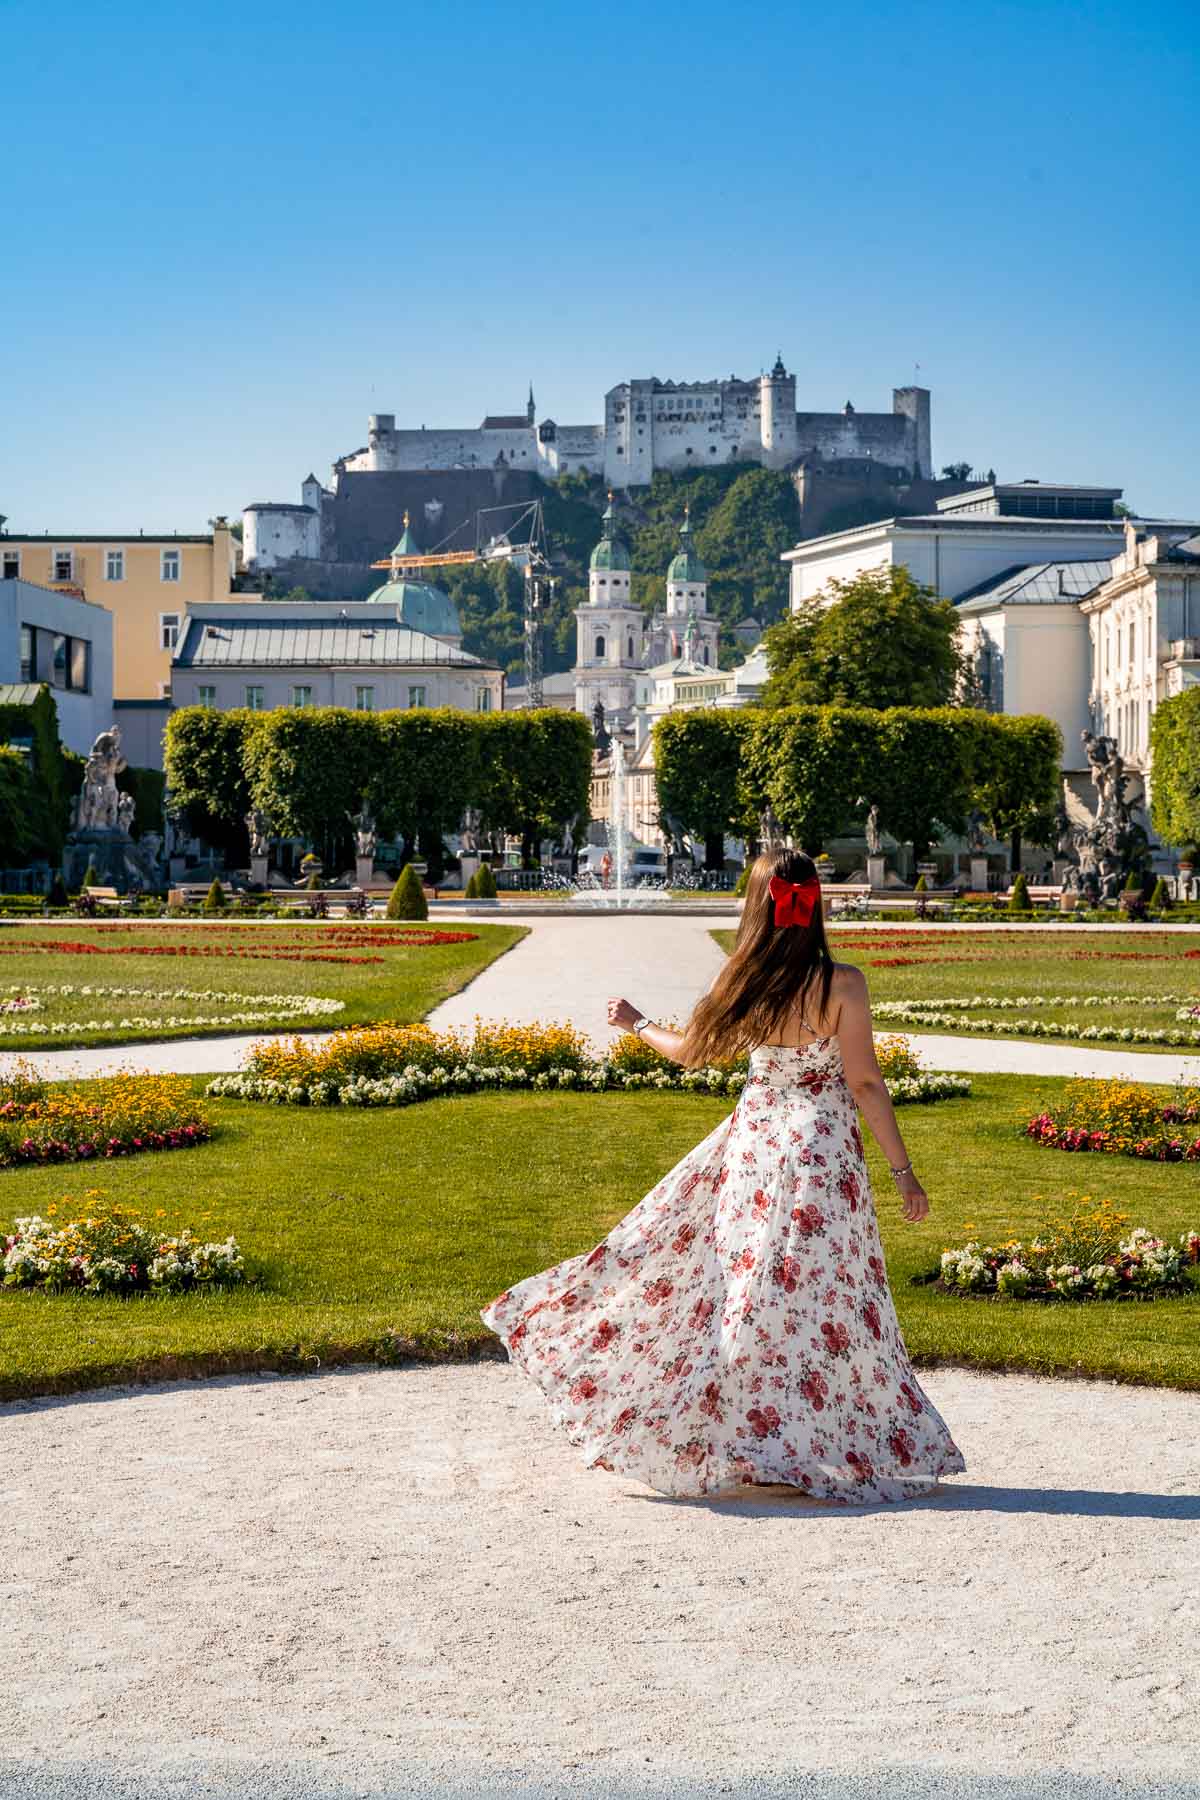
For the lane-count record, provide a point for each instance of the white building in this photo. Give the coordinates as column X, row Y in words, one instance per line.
column 66, row 642
column 1143, row 626
column 615, row 640
column 401, row 648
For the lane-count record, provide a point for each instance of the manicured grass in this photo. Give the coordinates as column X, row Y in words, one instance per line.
column 936, row 964
column 398, row 982
column 379, row 1234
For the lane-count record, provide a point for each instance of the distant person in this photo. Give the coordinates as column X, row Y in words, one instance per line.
column 605, row 869
column 737, row 1326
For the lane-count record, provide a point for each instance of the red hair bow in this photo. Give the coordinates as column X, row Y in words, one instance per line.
column 794, row 900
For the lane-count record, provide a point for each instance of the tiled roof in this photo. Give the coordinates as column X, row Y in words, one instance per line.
column 299, row 643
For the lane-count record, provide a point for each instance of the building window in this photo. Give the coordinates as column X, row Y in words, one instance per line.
column 302, row 695
column 1132, row 641
column 114, row 565
column 364, row 699
column 12, row 565
column 254, row 699
column 483, row 699
column 630, row 649
column 64, row 565
column 79, row 665
column 169, row 568
column 416, row 696
column 600, row 647
column 206, row 696
column 168, row 630
column 27, row 666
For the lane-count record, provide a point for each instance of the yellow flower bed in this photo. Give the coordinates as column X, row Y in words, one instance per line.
column 114, row 1116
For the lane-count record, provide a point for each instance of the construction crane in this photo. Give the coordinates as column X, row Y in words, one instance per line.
column 529, row 553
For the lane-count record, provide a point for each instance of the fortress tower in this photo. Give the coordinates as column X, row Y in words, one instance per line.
column 777, row 417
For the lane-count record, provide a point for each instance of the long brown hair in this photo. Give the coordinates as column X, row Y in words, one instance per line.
column 768, row 974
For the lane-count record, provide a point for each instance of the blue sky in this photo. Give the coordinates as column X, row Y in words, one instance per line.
column 235, row 231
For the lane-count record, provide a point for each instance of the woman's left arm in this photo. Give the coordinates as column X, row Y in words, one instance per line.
column 625, row 1016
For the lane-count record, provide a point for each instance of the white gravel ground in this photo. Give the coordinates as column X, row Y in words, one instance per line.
column 401, row 1581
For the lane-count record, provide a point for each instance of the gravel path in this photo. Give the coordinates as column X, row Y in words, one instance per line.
column 567, row 967
column 401, row 1581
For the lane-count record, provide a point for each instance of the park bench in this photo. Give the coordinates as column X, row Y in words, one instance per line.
column 103, row 896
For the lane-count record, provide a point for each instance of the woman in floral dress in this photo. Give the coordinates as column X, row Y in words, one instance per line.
column 737, row 1326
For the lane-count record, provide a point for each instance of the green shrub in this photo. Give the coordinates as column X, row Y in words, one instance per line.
column 313, row 880
column 922, row 886
column 407, row 899
column 57, row 895
column 214, row 900
column 485, row 888
column 743, row 881
column 1160, row 899
column 471, row 891
column 1018, row 900
column 1133, row 884
column 90, row 877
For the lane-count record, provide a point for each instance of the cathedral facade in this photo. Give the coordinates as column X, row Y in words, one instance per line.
column 616, row 640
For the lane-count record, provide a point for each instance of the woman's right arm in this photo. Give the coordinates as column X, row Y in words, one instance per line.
column 625, row 1016
column 865, row 1081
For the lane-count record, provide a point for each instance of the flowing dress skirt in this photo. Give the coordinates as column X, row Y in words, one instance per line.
column 737, row 1325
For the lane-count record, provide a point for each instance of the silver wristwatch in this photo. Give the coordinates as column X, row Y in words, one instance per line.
column 639, row 1025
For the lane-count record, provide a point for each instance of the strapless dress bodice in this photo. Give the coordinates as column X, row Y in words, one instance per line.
column 795, row 1065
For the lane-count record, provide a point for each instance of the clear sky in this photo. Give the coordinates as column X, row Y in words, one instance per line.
column 234, row 231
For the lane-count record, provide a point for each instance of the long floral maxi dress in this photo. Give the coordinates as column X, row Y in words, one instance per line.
column 737, row 1325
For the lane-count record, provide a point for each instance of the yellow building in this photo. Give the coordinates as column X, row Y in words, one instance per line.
column 147, row 583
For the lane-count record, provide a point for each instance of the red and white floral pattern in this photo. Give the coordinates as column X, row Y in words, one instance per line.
column 737, row 1325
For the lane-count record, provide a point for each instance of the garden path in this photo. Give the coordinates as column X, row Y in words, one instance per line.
column 402, row 1581
column 566, row 968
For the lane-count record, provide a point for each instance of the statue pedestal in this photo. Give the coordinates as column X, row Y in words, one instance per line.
column 469, row 866
column 364, row 872
column 259, row 866
column 106, row 849
column 979, row 874
column 877, row 871
column 176, row 869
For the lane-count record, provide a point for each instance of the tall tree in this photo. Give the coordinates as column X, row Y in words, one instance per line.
column 811, row 763
column 206, row 773
column 308, row 768
column 1175, row 753
column 878, row 639
column 698, row 774
column 1016, row 776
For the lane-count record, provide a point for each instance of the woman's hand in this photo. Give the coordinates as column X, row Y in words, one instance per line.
column 914, row 1200
column 622, row 1014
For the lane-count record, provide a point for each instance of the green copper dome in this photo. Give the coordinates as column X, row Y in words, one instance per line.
column 685, row 564
column 610, row 553
column 420, row 606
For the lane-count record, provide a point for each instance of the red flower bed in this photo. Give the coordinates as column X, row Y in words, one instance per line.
column 416, row 939
column 1044, row 1130
column 54, row 1150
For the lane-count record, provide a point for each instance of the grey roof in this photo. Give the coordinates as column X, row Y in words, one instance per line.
column 19, row 693
column 1037, row 584
column 300, row 643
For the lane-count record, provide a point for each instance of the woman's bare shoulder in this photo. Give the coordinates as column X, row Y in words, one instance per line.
column 849, row 982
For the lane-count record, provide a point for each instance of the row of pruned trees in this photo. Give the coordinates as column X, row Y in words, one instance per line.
column 309, row 768
column 819, row 767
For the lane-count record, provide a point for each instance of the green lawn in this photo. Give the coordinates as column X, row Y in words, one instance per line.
column 397, row 982
column 933, row 964
column 380, row 1234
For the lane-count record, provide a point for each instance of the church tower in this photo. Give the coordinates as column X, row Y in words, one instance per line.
column 687, row 602
column 608, row 630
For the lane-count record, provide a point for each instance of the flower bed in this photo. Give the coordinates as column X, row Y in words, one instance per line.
column 934, row 1014
column 257, row 1009
column 120, row 1115
column 333, row 951
column 1122, row 1118
column 1086, row 1257
column 111, row 1251
column 393, row 1065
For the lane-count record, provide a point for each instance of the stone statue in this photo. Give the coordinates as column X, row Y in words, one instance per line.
column 152, row 847
column 97, row 808
column 125, row 814
column 366, row 837
column 468, row 832
column 601, row 736
column 259, row 827
column 770, row 831
column 568, row 835
column 976, row 837
column 1100, row 848
column 874, row 835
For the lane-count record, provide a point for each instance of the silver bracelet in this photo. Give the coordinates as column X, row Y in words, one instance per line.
column 904, row 1169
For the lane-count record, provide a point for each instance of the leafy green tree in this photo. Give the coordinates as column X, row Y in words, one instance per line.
column 878, row 639
column 206, row 772
column 1015, row 779
column 535, row 773
column 812, row 765
column 427, row 771
column 407, row 899
column 15, row 809
column 1175, row 763
column 959, row 471
column 308, row 768
column 698, row 772
column 923, row 777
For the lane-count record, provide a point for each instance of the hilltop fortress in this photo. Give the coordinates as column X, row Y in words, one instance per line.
column 442, row 475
